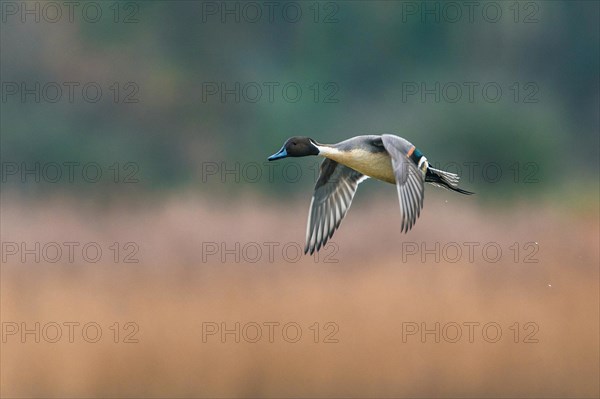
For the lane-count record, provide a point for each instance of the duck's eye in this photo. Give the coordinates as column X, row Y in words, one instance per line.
column 293, row 143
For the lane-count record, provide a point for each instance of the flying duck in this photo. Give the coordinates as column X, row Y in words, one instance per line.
column 388, row 158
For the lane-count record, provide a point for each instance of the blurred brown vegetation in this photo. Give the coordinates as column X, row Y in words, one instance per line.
column 368, row 293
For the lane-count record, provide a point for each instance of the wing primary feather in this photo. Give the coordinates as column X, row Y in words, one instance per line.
column 331, row 200
column 409, row 180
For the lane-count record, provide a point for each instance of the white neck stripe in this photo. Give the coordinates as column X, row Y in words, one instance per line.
column 326, row 150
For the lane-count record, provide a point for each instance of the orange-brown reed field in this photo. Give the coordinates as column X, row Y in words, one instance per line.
column 220, row 305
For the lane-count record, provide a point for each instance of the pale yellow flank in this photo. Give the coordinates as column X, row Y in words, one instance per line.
column 375, row 165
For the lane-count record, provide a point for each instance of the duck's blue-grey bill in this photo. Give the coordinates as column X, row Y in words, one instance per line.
column 281, row 154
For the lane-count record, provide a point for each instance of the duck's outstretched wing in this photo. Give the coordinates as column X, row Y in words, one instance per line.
column 410, row 180
column 330, row 202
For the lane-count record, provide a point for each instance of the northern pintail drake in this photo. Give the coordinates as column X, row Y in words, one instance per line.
column 388, row 158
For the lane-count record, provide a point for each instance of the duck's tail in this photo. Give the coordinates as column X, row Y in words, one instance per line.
column 444, row 179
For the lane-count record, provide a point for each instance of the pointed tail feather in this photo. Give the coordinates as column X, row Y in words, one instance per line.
column 444, row 179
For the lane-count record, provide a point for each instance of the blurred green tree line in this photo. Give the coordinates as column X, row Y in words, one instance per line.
column 198, row 96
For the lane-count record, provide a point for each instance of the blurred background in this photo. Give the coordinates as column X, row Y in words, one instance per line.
column 137, row 203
